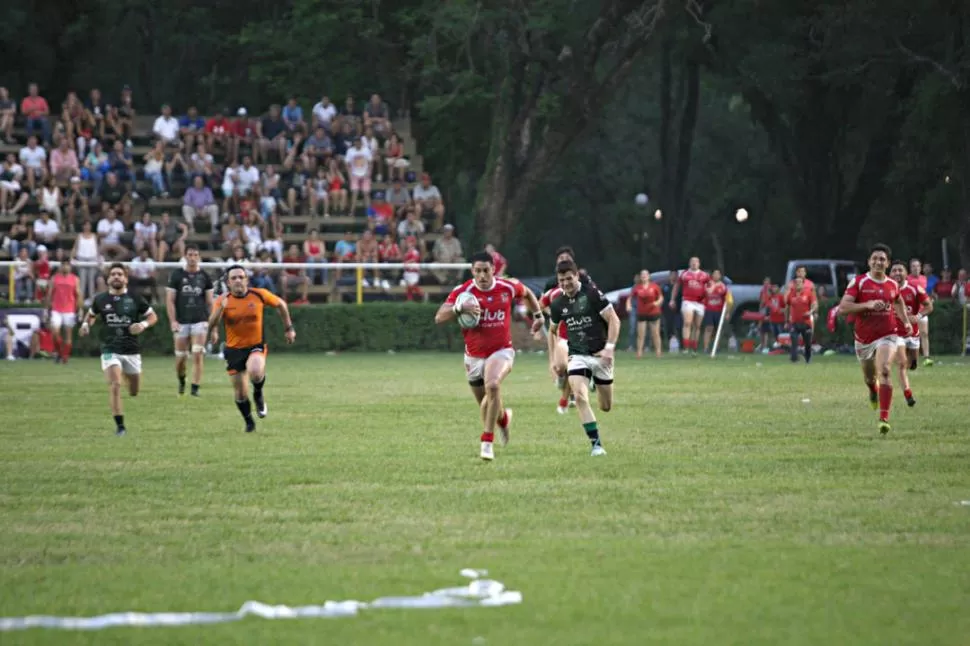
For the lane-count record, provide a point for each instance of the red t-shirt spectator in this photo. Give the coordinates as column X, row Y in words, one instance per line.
column 388, row 251
column 243, row 128
column 500, row 263
column 42, row 269
column 645, row 297
column 292, row 260
column 776, row 308
column 714, row 299
column 34, row 107
column 944, row 289
column 218, row 126
column 800, row 305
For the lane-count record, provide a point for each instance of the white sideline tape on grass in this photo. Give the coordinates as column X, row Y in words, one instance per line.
column 478, row 593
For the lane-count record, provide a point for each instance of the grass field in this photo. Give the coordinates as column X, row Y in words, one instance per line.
column 728, row 511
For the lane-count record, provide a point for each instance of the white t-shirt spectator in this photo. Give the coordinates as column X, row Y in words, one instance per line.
column 167, row 129
column 430, row 193
column 46, row 231
column 324, row 115
column 199, row 162
column 145, row 231
column 407, row 228
column 246, row 178
column 33, row 157
column 22, row 269
column 110, row 231
column 371, row 144
column 142, row 268
column 359, row 161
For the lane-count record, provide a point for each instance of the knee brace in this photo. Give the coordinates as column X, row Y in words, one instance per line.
column 181, row 354
column 198, row 348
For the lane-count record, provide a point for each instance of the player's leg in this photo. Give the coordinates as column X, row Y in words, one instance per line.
column 55, row 327
column 698, row 321
column 883, row 364
column 865, row 353
column 497, row 368
column 641, row 337
column 924, row 339
column 198, row 338
column 912, row 352
column 902, row 359
column 111, row 366
column 603, row 378
column 182, row 344
column 579, row 375
column 688, row 327
column 131, row 369
column 68, row 321
column 256, row 368
column 475, row 372
column 708, row 335
column 240, row 390
column 654, row 327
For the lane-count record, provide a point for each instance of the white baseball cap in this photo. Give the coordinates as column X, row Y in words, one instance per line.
column 41, row 248
column 241, row 112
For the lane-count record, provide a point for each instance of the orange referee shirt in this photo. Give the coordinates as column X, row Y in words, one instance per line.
column 243, row 316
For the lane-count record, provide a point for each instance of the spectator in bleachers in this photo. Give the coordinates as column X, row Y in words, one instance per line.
column 360, row 162
column 174, row 159
column 218, row 132
column 320, row 193
column 389, row 251
column 76, row 202
column 154, row 168
column 320, row 144
column 238, row 255
column 64, row 163
column 293, row 277
column 23, row 277
column 323, row 114
column 42, row 274
column 377, row 116
column 273, row 134
column 447, row 249
column 315, row 251
column 171, row 238
column 273, row 237
column 399, row 198
column 86, row 250
column 293, row 117
column 264, row 278
column 247, row 179
column 230, row 192
column 344, row 140
column 501, row 264
column 411, row 225
column 51, row 200
column 245, row 134
column 411, row 277
column 269, row 191
column 345, row 251
column 96, row 166
column 252, row 233
column 295, row 181
column 8, row 114
column 35, row 110
column 377, row 165
column 146, row 235
column 201, row 164
column 121, row 117
column 367, row 252
column 350, row 113
column 75, row 123
column 21, row 236
column 11, row 187
column 96, row 111
column 429, row 202
column 231, row 234
column 123, row 166
column 309, row 158
column 46, row 230
column 21, row 339
column 144, row 276
column 338, row 187
column 380, row 215
column 192, row 129
column 110, row 230
column 33, row 159
column 199, row 200
column 166, row 128
column 114, row 197
column 394, row 158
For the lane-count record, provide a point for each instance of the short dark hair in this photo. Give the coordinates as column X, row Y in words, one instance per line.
column 566, row 249
column 117, row 265
column 879, row 246
column 901, row 263
column 482, row 256
column 565, row 266
column 234, row 267
column 191, row 247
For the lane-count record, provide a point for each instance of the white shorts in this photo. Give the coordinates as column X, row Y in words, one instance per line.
column 867, row 351
column 693, row 307
column 590, row 367
column 130, row 363
column 475, row 366
column 187, row 330
column 63, row 319
column 412, row 278
column 908, row 342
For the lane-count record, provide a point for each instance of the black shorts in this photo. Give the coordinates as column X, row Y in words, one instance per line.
column 711, row 318
column 648, row 318
column 236, row 357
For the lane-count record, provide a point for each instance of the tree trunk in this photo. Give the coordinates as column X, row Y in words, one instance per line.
column 665, row 189
column 685, row 142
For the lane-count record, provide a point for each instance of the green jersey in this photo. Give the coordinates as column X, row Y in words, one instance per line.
column 190, row 290
column 582, row 312
column 117, row 312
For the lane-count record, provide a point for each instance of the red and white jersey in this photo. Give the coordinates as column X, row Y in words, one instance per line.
column 546, row 301
column 693, row 285
column 917, row 281
column 714, row 299
column 914, row 297
column 872, row 325
column 64, row 293
column 494, row 331
column 412, row 257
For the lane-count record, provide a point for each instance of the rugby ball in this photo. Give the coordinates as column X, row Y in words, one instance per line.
column 466, row 319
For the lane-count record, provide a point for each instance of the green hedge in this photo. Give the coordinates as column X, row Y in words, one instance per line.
column 372, row 327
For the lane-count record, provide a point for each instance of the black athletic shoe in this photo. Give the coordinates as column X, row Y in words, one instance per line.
column 910, row 401
column 181, row 390
column 261, row 409
column 121, row 431
column 250, row 425
column 195, row 391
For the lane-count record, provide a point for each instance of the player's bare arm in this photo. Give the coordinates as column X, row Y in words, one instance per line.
column 151, row 318
column 79, row 296
column 900, row 308
column 284, row 312
column 89, row 318
column 170, row 309
column 673, row 295
column 848, row 305
column 214, row 319
column 449, row 311
column 612, row 332
column 532, row 303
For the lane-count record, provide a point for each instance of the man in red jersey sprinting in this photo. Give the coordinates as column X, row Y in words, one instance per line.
column 64, row 302
column 918, row 303
column 692, row 285
column 917, row 279
column 875, row 301
column 802, row 305
column 488, row 346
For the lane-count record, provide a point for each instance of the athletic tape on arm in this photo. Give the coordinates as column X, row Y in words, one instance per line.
column 478, row 593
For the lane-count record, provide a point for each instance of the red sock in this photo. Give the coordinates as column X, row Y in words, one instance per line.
column 57, row 346
column 563, row 402
column 693, row 344
column 908, row 393
column 488, row 437
column 503, row 421
column 885, row 401
column 871, row 387
column 67, row 350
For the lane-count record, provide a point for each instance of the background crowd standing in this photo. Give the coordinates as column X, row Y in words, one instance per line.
column 72, row 190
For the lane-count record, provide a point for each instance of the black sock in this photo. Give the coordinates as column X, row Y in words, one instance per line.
column 592, row 432
column 182, row 381
column 246, row 409
column 808, row 352
column 195, row 389
column 120, row 421
column 258, row 387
